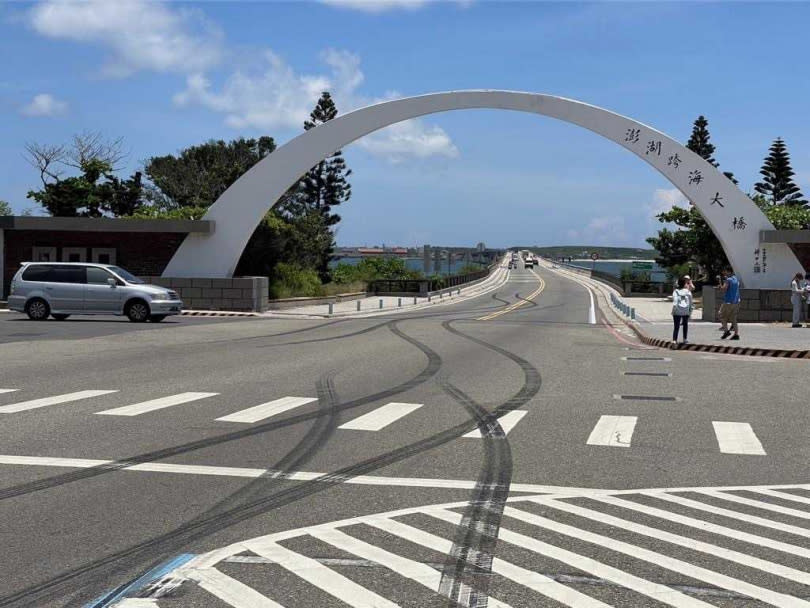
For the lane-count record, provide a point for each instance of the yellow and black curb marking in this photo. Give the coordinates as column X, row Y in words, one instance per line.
column 217, row 313
column 519, row 303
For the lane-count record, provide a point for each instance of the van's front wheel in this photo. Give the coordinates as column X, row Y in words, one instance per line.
column 137, row 311
column 37, row 309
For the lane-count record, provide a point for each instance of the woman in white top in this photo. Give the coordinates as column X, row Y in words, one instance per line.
column 796, row 293
column 681, row 309
column 688, row 283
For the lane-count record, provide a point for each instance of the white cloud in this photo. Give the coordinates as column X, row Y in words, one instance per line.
column 380, row 6
column 665, row 199
column 606, row 230
column 275, row 96
column 139, row 34
column 44, row 104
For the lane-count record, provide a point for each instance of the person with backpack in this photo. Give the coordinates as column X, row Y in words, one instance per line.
column 681, row 310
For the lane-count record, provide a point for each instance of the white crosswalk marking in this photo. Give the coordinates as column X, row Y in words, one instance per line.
column 229, row 590
column 319, row 575
column 266, row 410
column 7, row 390
column 381, row 417
column 136, row 409
column 507, row 422
column 46, row 401
column 737, row 438
column 614, row 431
column 666, row 576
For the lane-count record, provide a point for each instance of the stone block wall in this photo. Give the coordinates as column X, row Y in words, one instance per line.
column 245, row 294
column 756, row 305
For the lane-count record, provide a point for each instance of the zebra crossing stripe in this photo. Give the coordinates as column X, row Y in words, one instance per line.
column 783, row 496
column 706, row 526
column 315, row 573
column 662, row 593
column 737, row 438
column 757, row 503
column 7, row 390
column 229, row 590
column 266, row 410
column 747, row 518
column 381, row 417
column 137, row 602
column 507, row 422
column 616, row 431
column 532, row 580
column 136, row 409
column 682, row 541
column 46, row 401
column 670, row 563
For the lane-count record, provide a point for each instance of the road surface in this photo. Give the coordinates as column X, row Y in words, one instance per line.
column 502, row 451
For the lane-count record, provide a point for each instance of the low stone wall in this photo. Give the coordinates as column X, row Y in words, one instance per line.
column 284, row 303
column 248, row 294
column 756, row 305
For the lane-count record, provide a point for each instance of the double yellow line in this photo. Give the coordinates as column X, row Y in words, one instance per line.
column 519, row 303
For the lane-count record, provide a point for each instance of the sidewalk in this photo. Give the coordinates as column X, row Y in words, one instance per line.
column 656, row 322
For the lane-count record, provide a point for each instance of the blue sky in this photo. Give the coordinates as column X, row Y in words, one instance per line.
column 165, row 76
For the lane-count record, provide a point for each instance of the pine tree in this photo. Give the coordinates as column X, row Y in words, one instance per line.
column 777, row 183
column 325, row 185
column 700, row 145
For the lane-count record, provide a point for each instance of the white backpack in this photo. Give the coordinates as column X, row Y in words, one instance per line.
column 682, row 305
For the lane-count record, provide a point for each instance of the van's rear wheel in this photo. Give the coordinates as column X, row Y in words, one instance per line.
column 60, row 317
column 137, row 311
column 37, row 309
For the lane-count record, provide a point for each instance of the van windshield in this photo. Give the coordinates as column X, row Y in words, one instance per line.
column 126, row 275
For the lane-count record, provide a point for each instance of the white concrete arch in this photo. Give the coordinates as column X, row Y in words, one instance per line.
column 241, row 207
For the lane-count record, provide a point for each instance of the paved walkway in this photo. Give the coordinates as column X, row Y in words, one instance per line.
column 656, row 321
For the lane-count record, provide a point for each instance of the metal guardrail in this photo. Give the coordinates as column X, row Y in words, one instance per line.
column 424, row 286
column 627, row 310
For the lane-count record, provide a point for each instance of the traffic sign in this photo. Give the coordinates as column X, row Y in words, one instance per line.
column 594, row 256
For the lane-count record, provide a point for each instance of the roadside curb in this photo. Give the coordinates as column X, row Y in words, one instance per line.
column 218, row 313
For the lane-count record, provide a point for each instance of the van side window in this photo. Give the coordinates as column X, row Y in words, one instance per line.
column 69, row 274
column 37, row 273
column 98, row 276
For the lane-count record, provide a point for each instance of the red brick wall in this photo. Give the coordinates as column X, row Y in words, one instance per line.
column 142, row 253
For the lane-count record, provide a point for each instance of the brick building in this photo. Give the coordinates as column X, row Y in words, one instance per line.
column 144, row 247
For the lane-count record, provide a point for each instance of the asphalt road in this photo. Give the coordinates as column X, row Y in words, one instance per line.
column 278, row 462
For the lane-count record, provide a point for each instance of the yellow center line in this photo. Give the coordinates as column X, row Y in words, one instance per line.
column 519, row 303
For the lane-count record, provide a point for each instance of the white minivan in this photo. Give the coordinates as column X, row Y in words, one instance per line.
column 40, row 289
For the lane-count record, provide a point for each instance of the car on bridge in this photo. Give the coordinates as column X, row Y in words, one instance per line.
column 42, row 289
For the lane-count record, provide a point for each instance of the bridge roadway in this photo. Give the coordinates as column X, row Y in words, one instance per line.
column 501, row 451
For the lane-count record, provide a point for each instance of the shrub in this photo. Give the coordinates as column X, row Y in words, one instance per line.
column 292, row 281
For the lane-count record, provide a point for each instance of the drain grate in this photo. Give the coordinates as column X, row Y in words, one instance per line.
column 647, row 373
column 645, row 398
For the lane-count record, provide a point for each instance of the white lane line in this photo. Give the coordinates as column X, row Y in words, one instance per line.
column 616, row 431
column 731, row 514
column 137, row 602
column 229, row 590
column 7, row 390
column 657, row 591
column 705, row 526
column 46, row 401
column 507, row 422
column 319, row 575
column 682, row 541
column 45, row 461
column 381, row 417
column 266, row 410
column 758, row 503
column 195, row 469
column 737, row 438
column 532, row 580
column 136, row 409
column 659, row 559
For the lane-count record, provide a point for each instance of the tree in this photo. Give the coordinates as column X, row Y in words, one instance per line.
column 96, row 190
column 777, row 182
column 198, row 175
column 694, row 241
column 5, row 208
column 322, row 188
column 699, row 144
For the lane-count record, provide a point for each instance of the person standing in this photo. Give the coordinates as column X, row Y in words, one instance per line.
column 688, row 284
column 731, row 305
column 681, row 310
column 797, row 298
column 806, row 305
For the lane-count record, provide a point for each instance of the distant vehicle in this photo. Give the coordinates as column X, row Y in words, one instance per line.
column 40, row 289
column 528, row 263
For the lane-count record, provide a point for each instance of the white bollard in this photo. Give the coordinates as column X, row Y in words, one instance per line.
column 358, row 305
column 381, row 303
column 399, row 303
column 331, row 307
column 414, row 300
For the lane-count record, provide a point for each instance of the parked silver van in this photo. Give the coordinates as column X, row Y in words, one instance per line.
column 40, row 289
